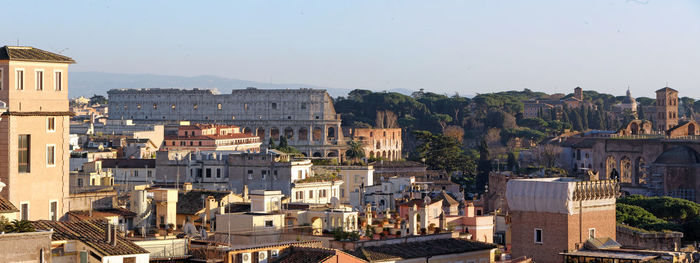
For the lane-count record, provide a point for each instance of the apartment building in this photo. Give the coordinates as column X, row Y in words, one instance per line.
column 210, row 137
column 34, row 157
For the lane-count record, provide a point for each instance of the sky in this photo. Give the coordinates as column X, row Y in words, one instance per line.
column 465, row 47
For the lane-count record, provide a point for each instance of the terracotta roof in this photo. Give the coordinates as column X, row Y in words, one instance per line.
column 32, row 54
column 449, row 200
column 300, row 254
column 6, row 206
column 102, row 213
column 420, row 249
column 92, row 233
column 128, row 163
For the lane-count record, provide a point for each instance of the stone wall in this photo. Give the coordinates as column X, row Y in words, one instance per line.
column 639, row 239
column 25, row 247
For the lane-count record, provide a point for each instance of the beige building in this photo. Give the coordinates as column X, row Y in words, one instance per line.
column 316, row 191
column 34, row 149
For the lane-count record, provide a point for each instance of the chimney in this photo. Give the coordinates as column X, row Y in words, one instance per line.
column 108, row 234
column 208, row 205
column 114, row 236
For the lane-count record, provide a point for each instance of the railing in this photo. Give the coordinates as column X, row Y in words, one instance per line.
column 656, row 136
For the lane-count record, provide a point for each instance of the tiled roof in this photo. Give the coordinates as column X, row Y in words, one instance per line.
column 92, row 233
column 31, row 54
column 6, row 206
column 449, row 200
column 191, row 202
column 420, row 249
column 128, row 163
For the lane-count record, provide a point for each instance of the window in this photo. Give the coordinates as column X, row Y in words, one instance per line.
column 19, row 79
column 263, row 174
column 250, row 174
column 342, row 192
column 218, row 106
column 172, row 106
column 149, row 173
column 2, row 77
column 80, row 182
column 39, row 80
column 300, row 174
column 218, row 172
column 195, row 106
column 24, row 211
column 136, row 173
column 303, row 105
column 274, row 106
column 300, row 195
column 53, row 210
column 50, row 155
column 311, row 193
column 51, row 124
column 23, row 153
column 138, row 106
column 591, row 233
column 268, row 223
column 245, row 106
column 274, row 253
column 58, row 80
column 538, row 236
column 208, row 173
column 155, row 106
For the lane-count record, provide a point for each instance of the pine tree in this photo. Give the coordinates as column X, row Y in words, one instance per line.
column 283, row 142
column 271, row 144
column 484, row 167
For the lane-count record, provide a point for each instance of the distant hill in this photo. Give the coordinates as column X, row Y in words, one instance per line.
column 89, row 83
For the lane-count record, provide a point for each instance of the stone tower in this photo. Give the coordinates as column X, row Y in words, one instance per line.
column 666, row 115
column 578, row 93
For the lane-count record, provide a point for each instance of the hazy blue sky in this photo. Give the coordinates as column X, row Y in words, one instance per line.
column 443, row 46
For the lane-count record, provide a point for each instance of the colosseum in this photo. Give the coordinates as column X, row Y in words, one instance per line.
column 306, row 117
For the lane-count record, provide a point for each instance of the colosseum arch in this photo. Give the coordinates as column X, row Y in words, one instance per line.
column 303, row 134
column 275, row 133
column 317, row 134
column 289, row 133
column 331, row 132
column 260, row 132
column 625, row 170
column 318, row 154
column 247, row 130
column 332, row 154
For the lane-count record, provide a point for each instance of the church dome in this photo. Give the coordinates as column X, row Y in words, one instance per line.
column 629, row 99
column 679, row 155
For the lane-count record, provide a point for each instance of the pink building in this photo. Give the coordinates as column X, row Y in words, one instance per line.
column 209, row 137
